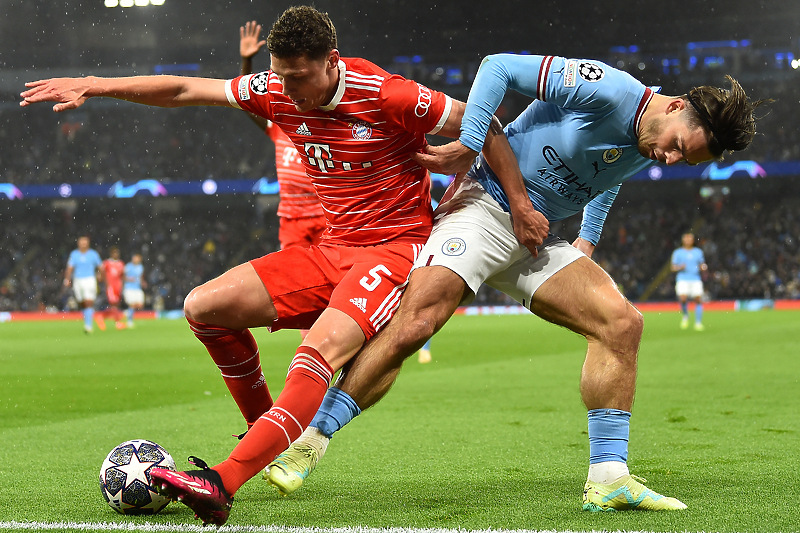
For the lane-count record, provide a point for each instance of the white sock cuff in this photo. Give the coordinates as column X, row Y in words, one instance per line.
column 607, row 472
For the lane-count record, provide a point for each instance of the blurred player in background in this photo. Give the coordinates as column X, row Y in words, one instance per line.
column 132, row 289
column 357, row 127
column 689, row 261
column 302, row 220
column 424, row 356
column 111, row 273
column 81, row 272
column 590, row 128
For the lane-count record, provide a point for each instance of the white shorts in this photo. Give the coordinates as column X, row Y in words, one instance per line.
column 473, row 236
column 133, row 296
column 85, row 289
column 690, row 289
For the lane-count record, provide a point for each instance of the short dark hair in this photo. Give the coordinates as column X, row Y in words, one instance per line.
column 302, row 30
column 727, row 116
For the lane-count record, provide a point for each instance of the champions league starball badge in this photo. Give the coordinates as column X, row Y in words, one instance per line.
column 590, row 72
column 259, row 83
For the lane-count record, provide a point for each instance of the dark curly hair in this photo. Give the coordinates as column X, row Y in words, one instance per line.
column 727, row 116
column 302, row 30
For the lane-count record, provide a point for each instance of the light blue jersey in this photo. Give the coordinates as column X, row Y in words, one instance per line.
column 691, row 258
column 133, row 276
column 85, row 264
column 575, row 144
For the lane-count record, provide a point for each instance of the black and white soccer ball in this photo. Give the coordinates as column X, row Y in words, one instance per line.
column 125, row 477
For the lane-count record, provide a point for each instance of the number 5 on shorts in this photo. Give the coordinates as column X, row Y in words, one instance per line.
column 370, row 285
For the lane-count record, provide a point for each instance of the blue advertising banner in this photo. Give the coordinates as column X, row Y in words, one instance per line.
column 269, row 185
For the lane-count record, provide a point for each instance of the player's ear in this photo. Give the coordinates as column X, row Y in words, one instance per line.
column 676, row 105
column 333, row 59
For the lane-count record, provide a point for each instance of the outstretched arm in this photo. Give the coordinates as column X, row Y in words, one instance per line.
column 159, row 91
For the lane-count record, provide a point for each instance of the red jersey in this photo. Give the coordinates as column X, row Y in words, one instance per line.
column 113, row 270
column 298, row 199
column 356, row 148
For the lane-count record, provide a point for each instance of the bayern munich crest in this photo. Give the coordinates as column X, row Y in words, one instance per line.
column 259, row 83
column 454, row 246
column 361, row 130
column 590, row 71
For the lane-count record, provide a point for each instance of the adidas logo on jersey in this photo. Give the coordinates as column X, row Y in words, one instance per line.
column 361, row 303
column 303, row 130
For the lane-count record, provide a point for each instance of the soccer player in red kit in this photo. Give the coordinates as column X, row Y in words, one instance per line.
column 112, row 272
column 356, row 128
column 302, row 220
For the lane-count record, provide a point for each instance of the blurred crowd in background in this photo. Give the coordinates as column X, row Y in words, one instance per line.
column 105, row 141
column 747, row 228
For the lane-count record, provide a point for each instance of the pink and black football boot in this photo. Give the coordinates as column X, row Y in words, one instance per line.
column 200, row 490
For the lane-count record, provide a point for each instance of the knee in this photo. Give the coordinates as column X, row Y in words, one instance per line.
column 414, row 331
column 624, row 325
column 194, row 306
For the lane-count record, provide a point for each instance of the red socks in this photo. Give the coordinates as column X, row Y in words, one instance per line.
column 308, row 380
column 236, row 356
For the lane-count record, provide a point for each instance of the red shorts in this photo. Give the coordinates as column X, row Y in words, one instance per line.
column 364, row 282
column 114, row 294
column 303, row 232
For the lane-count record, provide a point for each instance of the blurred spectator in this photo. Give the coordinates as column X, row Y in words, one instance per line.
column 750, row 239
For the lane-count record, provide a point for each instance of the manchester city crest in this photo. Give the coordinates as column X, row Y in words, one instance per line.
column 612, row 154
column 361, row 130
column 590, row 71
column 454, row 246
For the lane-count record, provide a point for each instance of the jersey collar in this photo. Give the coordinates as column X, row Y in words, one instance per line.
column 339, row 90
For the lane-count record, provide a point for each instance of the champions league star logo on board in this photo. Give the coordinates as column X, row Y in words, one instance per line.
column 590, row 72
column 259, row 83
column 361, row 130
column 454, row 246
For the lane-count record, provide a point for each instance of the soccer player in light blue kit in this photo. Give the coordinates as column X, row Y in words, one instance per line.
column 132, row 291
column 589, row 129
column 688, row 261
column 81, row 272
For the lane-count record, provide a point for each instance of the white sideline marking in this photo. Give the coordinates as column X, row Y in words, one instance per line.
column 147, row 526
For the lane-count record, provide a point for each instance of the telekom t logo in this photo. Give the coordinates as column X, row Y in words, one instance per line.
column 319, row 155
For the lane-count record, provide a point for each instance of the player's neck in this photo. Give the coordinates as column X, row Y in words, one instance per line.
column 334, row 86
column 655, row 107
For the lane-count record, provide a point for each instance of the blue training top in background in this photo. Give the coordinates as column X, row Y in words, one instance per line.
column 133, row 276
column 692, row 259
column 84, row 263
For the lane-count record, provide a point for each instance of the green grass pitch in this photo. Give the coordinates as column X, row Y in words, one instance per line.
column 491, row 434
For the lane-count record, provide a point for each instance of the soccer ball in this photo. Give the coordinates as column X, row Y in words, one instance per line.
column 125, row 477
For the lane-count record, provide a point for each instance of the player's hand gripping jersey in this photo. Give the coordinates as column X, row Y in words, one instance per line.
column 575, row 143
column 356, row 149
